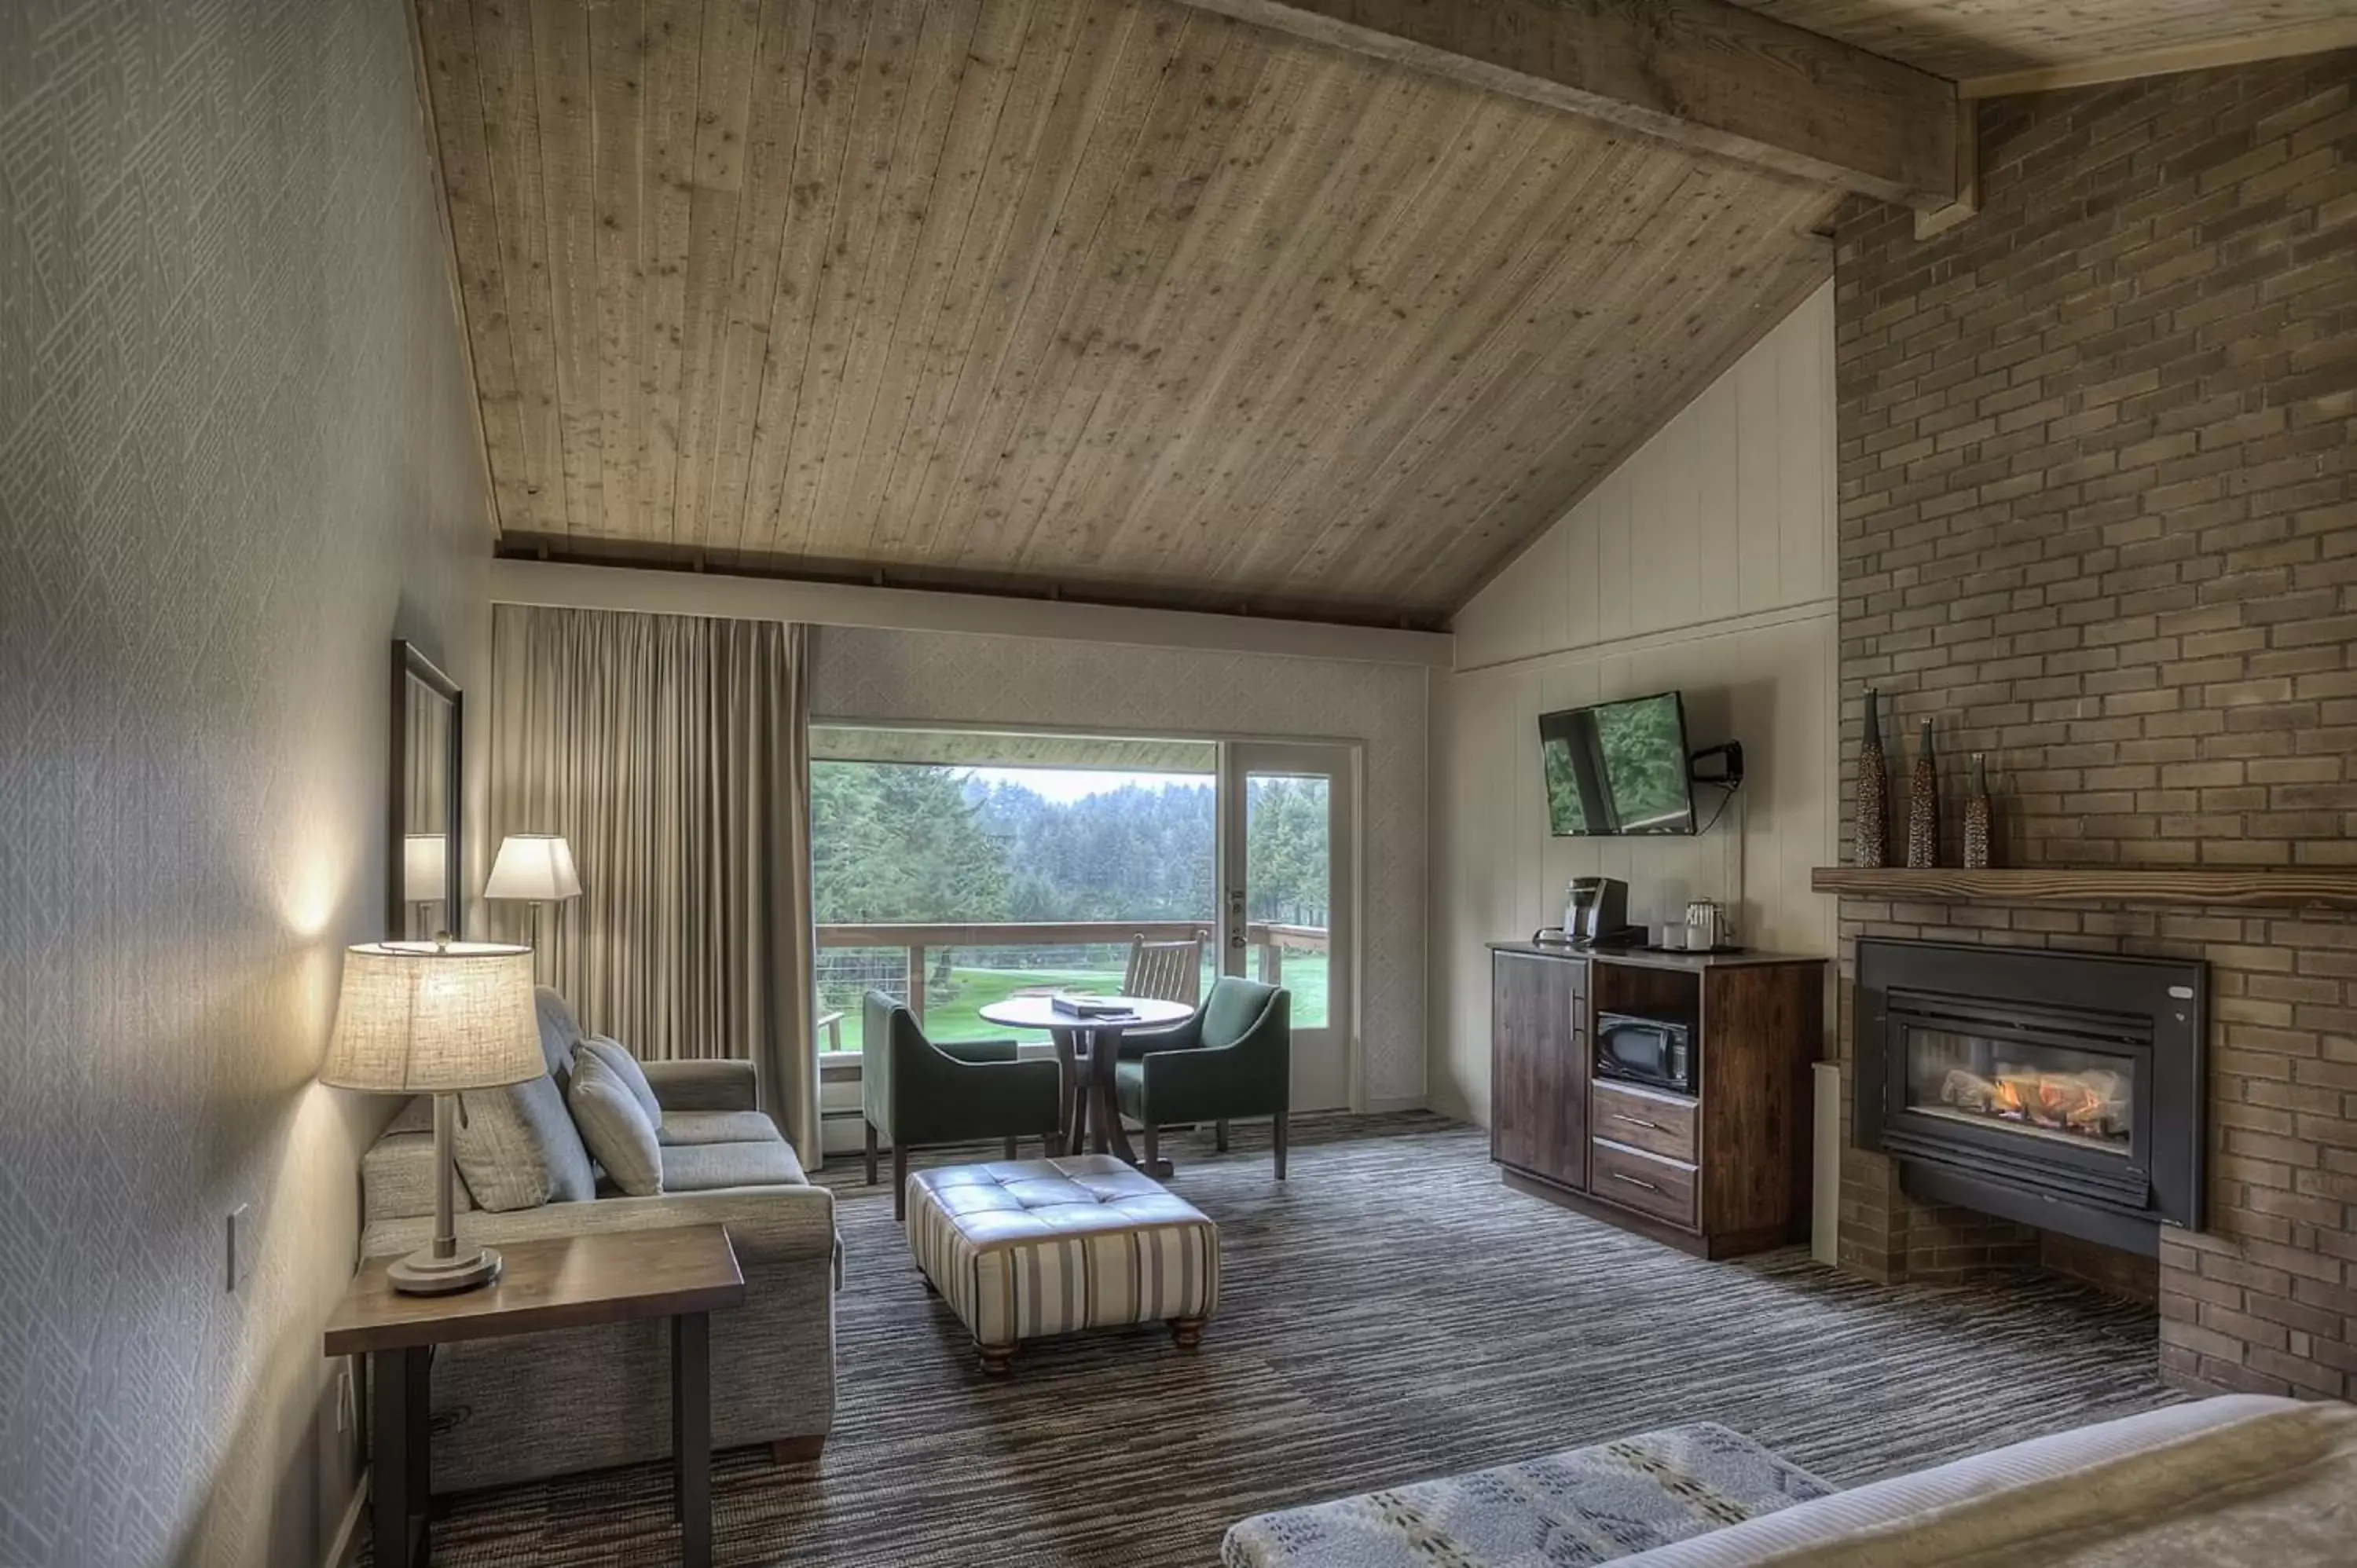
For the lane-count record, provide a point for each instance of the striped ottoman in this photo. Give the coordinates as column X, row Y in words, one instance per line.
column 1024, row 1249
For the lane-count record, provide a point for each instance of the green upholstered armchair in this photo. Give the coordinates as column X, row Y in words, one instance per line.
column 918, row 1092
column 1233, row 1058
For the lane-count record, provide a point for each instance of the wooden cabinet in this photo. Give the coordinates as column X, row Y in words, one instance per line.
column 1538, row 1074
column 1722, row 1171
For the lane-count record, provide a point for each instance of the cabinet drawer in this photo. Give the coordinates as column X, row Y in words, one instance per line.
column 1662, row 1188
column 1655, row 1124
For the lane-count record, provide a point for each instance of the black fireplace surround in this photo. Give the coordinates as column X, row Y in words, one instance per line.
column 2058, row 1089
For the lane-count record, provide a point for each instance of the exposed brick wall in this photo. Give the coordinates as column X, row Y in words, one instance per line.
column 2131, row 1275
column 2099, row 520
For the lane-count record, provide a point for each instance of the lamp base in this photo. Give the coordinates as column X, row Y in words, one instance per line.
column 423, row 1273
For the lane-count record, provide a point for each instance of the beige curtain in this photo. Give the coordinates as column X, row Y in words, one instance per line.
column 673, row 753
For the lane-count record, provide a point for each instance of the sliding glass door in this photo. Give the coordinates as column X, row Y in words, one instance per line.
column 1287, row 858
column 954, row 868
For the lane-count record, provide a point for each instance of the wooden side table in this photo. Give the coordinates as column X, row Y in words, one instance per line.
column 682, row 1273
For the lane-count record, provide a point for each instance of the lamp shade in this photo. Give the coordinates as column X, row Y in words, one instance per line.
column 418, row 1017
column 538, row 866
column 424, row 869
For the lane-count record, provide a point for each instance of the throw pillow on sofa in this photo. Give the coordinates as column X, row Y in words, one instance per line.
column 517, row 1148
column 560, row 1032
column 626, row 1067
column 614, row 1125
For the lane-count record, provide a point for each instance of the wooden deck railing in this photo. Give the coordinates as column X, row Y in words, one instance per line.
column 1269, row 940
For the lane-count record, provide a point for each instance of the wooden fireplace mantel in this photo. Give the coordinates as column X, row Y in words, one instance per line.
column 2325, row 887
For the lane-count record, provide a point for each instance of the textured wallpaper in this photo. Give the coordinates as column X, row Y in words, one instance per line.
column 957, row 677
column 235, row 459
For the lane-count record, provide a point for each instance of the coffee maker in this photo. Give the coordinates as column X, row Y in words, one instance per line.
column 1596, row 910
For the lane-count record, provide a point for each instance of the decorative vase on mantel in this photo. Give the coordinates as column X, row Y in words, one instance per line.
column 1923, row 805
column 1976, row 814
column 1870, row 847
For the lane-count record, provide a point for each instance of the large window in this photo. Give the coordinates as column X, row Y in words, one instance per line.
column 1005, row 864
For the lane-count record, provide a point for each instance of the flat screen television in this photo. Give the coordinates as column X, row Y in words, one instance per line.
column 1617, row 768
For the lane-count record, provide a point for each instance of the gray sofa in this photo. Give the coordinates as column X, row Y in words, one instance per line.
column 549, row 1404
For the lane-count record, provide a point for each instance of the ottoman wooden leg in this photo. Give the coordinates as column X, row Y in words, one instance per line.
column 1186, row 1332
column 996, row 1359
column 871, row 1154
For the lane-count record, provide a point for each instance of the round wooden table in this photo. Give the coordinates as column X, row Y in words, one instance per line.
column 1089, row 1048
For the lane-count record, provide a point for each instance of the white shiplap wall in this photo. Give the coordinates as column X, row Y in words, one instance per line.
column 1704, row 562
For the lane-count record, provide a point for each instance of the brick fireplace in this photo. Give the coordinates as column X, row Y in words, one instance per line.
column 2098, row 455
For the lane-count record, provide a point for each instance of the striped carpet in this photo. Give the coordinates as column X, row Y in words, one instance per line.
column 1390, row 1313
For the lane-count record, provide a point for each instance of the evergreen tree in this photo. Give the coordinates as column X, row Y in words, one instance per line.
column 1285, row 850
column 899, row 842
column 892, row 842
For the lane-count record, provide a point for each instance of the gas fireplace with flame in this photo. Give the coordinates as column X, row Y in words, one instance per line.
column 2060, row 1089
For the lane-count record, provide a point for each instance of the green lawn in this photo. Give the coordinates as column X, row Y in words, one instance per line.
column 958, row 1015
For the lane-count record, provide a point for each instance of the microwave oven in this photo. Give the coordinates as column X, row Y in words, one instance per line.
column 1656, row 1052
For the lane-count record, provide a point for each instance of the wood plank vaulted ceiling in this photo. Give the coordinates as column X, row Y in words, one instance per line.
column 1121, row 299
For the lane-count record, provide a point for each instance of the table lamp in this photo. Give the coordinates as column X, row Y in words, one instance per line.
column 434, row 1018
column 536, row 868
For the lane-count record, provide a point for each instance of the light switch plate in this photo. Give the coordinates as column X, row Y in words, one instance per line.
column 241, row 1246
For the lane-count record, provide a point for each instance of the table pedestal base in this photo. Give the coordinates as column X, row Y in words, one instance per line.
column 1089, row 1057
column 1090, row 1051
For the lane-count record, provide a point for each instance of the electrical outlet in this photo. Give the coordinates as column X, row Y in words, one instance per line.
column 242, row 1241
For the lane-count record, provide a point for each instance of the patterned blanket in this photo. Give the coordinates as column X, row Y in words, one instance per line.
column 1583, row 1506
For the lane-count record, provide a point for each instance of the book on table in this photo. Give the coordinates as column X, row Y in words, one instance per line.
column 1086, row 1004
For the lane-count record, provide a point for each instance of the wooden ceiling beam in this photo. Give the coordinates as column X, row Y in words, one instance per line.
column 1702, row 74
column 2205, row 54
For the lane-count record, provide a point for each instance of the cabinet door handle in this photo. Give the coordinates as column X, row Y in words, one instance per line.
column 1633, row 1181
column 1640, row 1121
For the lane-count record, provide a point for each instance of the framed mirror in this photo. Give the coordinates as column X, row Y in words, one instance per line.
column 427, row 820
